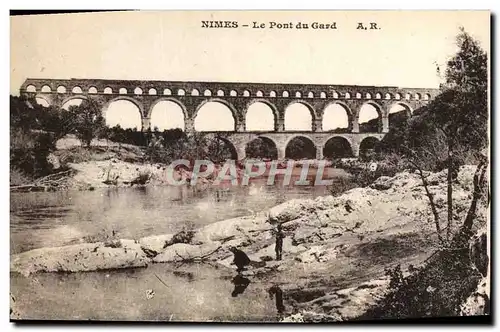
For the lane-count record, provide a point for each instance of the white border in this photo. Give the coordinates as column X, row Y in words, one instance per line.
column 188, row 5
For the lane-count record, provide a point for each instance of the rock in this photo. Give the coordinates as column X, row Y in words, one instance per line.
column 230, row 229
column 266, row 258
column 317, row 254
column 478, row 303
column 382, row 183
column 297, row 318
column 156, row 242
column 181, row 237
column 479, row 252
column 54, row 161
column 79, row 257
column 183, row 251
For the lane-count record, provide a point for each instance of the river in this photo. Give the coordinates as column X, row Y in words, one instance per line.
column 194, row 292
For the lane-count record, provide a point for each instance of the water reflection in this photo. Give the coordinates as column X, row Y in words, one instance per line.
column 276, row 291
column 240, row 284
column 196, row 292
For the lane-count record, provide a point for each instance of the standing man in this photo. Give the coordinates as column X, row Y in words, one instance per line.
column 279, row 242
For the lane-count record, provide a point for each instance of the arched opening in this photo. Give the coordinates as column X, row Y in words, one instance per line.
column 46, row 89
column 298, row 94
column 261, row 148
column 181, row 92
column 77, row 89
column 358, row 95
column 138, row 91
column 427, row 96
column 388, row 96
column 285, row 94
column 124, row 113
column 214, row 116
column 72, row 102
column 272, row 94
column 195, row 92
column 398, row 96
column 246, row 93
column 32, row 88
column 207, row 93
column 167, row 92
column 407, row 96
column 337, row 147
column 336, row 118
column 259, row 117
column 378, row 96
column 108, row 90
column 42, row 102
column 347, row 95
column 335, row 95
column 322, row 95
column 122, row 91
column 220, row 149
column 93, row 90
column 417, row 96
column 368, row 95
column 152, row 91
column 367, row 148
column 167, row 114
column 220, row 93
column 298, row 117
column 401, row 108
column 61, row 89
column 233, row 93
column 370, row 120
column 399, row 113
column 300, row 147
column 259, row 94
column 310, row 95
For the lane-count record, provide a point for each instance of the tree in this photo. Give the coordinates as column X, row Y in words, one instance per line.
column 453, row 128
column 300, row 147
column 34, row 131
column 86, row 121
column 461, row 110
column 261, row 148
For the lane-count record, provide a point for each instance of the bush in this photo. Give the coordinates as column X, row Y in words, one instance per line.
column 29, row 152
column 86, row 121
column 362, row 176
column 18, row 178
column 342, row 184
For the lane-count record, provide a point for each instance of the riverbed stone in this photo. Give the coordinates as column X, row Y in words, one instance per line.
column 155, row 242
column 79, row 257
column 184, row 252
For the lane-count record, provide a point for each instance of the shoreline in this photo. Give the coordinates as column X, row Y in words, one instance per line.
column 108, row 164
column 348, row 236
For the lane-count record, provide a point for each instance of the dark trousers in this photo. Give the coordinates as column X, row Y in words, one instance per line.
column 279, row 250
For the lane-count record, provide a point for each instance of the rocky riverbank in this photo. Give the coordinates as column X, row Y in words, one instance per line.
column 109, row 164
column 336, row 249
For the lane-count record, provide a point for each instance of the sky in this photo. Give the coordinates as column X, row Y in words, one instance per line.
column 173, row 46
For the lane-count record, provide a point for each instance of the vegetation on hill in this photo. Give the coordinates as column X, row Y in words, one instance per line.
column 452, row 130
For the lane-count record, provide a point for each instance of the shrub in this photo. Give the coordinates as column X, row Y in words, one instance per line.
column 18, row 178
column 29, row 152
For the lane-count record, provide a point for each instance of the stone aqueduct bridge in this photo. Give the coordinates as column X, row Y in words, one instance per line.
column 238, row 97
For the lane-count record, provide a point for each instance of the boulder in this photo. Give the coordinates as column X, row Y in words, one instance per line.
column 80, row 257
column 182, row 251
column 156, row 242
